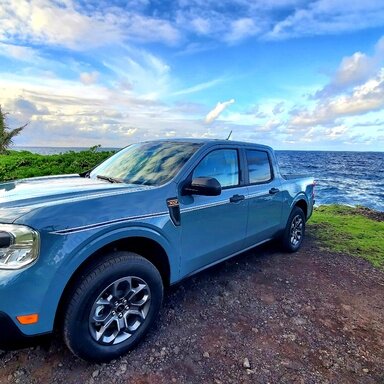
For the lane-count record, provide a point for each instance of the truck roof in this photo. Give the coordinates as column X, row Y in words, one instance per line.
column 211, row 141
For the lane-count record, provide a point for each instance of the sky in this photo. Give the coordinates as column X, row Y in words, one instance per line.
column 292, row 74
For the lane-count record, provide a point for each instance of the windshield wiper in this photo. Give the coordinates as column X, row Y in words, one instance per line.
column 108, row 178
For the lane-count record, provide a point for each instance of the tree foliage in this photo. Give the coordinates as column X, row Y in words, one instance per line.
column 7, row 134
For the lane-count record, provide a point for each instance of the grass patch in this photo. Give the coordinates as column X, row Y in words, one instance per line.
column 349, row 230
column 18, row 165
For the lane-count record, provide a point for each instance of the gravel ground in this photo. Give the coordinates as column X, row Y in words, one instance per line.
column 262, row 317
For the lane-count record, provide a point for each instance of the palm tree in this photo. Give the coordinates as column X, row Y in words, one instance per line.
column 7, row 134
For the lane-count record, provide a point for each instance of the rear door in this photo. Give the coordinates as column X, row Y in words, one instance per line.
column 264, row 196
column 214, row 227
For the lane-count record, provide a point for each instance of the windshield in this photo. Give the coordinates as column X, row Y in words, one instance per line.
column 152, row 163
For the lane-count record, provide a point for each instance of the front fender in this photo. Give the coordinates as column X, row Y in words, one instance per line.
column 66, row 254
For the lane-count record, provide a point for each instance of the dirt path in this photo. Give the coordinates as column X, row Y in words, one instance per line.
column 263, row 317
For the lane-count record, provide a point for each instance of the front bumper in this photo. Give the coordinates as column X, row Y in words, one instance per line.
column 12, row 338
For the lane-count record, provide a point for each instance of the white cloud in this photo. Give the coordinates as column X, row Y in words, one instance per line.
column 215, row 112
column 356, row 89
column 234, row 21
column 241, row 29
column 147, row 29
column 365, row 98
column 197, row 87
column 66, row 24
column 88, row 78
column 324, row 17
column 89, row 25
column 336, row 132
column 201, row 26
column 278, row 108
column 139, row 73
column 43, row 21
column 18, row 52
column 68, row 113
column 354, row 70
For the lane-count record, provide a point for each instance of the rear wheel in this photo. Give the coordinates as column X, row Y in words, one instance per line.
column 112, row 307
column 294, row 231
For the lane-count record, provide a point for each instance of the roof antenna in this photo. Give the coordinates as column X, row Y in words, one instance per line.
column 230, row 133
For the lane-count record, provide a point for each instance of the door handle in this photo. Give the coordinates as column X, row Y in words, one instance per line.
column 272, row 191
column 236, row 198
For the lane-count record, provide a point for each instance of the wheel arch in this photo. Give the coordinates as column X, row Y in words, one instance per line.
column 303, row 205
column 143, row 246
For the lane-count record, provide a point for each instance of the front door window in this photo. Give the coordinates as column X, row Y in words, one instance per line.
column 222, row 164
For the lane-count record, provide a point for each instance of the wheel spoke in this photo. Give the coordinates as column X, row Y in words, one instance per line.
column 102, row 301
column 134, row 291
column 135, row 310
column 100, row 333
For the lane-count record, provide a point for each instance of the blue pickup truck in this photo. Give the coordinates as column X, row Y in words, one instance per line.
column 89, row 254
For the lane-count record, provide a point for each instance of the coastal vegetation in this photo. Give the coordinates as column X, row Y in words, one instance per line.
column 22, row 164
column 356, row 231
column 7, row 134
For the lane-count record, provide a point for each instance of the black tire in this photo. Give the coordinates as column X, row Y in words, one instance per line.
column 98, row 323
column 294, row 231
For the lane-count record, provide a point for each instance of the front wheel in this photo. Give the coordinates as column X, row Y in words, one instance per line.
column 294, row 231
column 112, row 307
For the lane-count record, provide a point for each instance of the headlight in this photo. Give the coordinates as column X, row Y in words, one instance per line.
column 19, row 246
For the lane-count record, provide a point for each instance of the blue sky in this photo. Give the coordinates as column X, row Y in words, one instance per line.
column 292, row 74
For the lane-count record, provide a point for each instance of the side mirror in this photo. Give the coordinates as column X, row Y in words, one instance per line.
column 206, row 186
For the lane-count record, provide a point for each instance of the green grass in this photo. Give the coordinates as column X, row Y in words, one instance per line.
column 349, row 230
column 19, row 165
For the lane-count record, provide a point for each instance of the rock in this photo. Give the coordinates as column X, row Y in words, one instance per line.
column 95, row 373
column 365, row 370
column 123, row 368
column 176, row 350
column 246, row 363
column 250, row 371
column 19, row 373
column 299, row 321
column 290, row 336
column 206, row 354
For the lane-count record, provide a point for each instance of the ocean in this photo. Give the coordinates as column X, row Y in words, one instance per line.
column 352, row 178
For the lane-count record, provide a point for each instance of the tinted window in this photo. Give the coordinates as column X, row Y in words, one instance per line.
column 221, row 164
column 151, row 163
column 258, row 166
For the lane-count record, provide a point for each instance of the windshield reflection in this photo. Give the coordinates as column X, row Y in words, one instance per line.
column 152, row 163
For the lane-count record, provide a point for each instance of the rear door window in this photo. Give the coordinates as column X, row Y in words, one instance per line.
column 259, row 167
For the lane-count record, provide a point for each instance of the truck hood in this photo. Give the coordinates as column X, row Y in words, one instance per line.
column 21, row 196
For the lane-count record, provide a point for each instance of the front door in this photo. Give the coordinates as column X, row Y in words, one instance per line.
column 214, row 227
